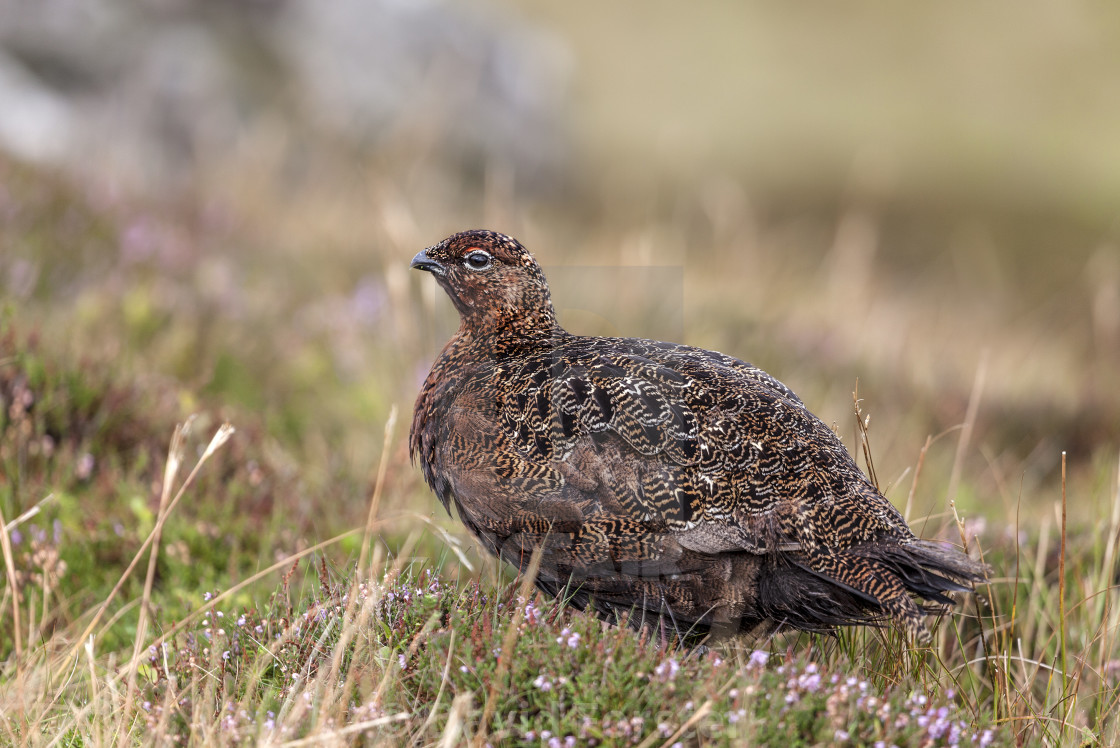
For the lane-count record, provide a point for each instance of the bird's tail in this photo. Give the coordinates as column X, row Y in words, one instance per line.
column 867, row 584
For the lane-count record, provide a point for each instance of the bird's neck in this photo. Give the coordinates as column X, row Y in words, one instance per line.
column 504, row 314
column 492, row 328
column 512, row 335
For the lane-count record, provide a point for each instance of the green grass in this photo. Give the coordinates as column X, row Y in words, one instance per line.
column 303, row 585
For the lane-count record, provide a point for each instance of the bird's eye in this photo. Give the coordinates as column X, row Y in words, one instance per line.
column 478, row 260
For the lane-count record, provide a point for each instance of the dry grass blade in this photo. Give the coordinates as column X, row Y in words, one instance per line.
column 13, row 588
column 508, row 642
column 451, row 542
column 378, row 487
column 348, row 730
column 968, row 425
column 917, row 474
column 171, row 470
column 442, row 686
column 9, row 566
column 220, row 438
column 30, row 513
column 863, row 427
column 1062, row 637
column 700, row 714
column 456, row 719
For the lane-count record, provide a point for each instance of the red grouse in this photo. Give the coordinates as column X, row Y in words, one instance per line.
column 668, row 483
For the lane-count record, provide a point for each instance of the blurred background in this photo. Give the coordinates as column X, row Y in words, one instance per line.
column 217, row 200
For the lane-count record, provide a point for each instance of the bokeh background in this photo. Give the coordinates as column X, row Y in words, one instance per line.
column 217, row 201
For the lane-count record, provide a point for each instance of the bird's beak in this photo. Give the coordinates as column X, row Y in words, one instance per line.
column 422, row 262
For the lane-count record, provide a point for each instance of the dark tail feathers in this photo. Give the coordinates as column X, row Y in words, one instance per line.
column 867, row 584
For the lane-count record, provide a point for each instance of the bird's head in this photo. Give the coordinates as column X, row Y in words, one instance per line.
column 494, row 283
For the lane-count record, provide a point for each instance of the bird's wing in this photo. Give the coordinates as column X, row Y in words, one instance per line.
column 701, row 446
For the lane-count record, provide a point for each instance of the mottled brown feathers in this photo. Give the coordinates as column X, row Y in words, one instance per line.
column 663, row 481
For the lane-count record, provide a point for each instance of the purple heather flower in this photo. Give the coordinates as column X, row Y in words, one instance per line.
column 532, row 615
column 85, row 466
column 569, row 637
column 667, row 670
column 811, row 683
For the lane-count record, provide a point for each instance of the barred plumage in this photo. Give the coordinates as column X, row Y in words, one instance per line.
column 669, row 482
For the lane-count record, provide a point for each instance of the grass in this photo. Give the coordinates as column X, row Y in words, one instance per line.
column 292, row 582
column 395, row 651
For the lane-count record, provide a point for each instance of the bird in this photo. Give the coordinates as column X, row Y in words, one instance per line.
column 662, row 485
